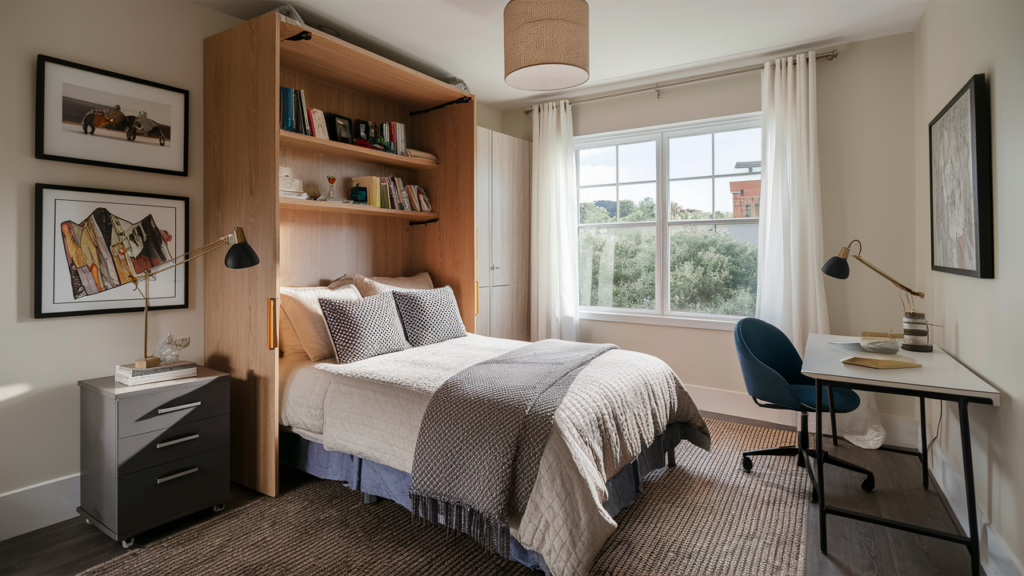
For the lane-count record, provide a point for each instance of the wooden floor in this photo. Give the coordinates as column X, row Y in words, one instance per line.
column 854, row 547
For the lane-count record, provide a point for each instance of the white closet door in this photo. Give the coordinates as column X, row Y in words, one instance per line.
column 483, row 319
column 508, row 313
column 483, row 208
column 510, row 209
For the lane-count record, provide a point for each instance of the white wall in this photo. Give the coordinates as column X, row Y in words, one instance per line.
column 42, row 360
column 982, row 318
column 865, row 114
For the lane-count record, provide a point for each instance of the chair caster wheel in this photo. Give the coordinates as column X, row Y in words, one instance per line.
column 87, row 521
column 219, row 507
column 800, row 461
column 868, row 484
column 748, row 464
column 128, row 543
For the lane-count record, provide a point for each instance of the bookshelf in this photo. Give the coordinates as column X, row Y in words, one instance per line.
column 304, row 243
column 342, row 150
column 356, row 209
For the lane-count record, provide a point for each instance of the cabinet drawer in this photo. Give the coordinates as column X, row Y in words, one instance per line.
column 152, row 448
column 153, row 494
column 178, row 405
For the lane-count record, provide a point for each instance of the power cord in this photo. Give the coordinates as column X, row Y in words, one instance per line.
column 938, row 426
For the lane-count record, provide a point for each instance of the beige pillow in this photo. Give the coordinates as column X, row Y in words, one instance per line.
column 379, row 284
column 302, row 305
column 290, row 343
column 345, row 280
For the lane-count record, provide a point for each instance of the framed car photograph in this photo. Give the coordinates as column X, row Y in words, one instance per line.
column 91, row 116
column 91, row 246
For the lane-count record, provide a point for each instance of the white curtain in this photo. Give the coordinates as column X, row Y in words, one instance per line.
column 791, row 293
column 554, row 278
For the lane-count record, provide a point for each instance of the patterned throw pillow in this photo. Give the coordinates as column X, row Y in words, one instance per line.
column 429, row 316
column 365, row 328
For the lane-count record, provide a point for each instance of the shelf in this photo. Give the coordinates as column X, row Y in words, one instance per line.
column 338, row 62
column 356, row 152
column 356, row 209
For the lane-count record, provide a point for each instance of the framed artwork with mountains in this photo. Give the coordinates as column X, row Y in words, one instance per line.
column 92, row 244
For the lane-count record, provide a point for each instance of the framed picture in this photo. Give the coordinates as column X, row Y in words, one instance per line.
column 90, row 116
column 960, row 165
column 343, row 128
column 90, row 243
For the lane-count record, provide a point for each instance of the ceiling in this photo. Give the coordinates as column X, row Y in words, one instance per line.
column 632, row 42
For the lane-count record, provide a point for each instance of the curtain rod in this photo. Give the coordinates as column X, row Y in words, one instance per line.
column 657, row 87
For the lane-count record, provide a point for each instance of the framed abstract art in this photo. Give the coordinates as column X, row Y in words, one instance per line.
column 91, row 116
column 960, row 166
column 91, row 244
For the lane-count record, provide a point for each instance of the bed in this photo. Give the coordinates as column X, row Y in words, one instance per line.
column 359, row 422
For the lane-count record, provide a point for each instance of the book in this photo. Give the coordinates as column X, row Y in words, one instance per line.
column 410, row 191
column 129, row 375
column 424, row 200
column 385, row 197
column 894, row 361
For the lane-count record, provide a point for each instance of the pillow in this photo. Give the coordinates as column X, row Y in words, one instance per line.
column 429, row 316
column 362, row 329
column 290, row 343
column 379, row 284
column 303, row 309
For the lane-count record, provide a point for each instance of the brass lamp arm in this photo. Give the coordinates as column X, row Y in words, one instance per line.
column 896, row 282
column 188, row 257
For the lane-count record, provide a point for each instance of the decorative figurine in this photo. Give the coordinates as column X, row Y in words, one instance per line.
column 169, row 347
column 330, row 193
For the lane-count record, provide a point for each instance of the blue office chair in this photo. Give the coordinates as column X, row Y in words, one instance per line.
column 771, row 370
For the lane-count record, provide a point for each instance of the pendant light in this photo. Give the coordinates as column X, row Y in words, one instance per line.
column 547, row 44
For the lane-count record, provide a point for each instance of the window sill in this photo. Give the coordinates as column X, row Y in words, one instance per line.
column 699, row 321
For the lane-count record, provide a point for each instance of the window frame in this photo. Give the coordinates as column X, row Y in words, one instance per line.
column 662, row 315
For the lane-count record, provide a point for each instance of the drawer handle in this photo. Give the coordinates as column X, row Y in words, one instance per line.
column 178, row 475
column 178, row 441
column 176, row 408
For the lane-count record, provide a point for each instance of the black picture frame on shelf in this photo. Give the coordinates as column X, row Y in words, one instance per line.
column 88, row 240
column 341, row 131
column 960, row 174
column 87, row 115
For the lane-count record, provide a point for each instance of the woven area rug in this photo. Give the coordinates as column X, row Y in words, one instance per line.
column 706, row 516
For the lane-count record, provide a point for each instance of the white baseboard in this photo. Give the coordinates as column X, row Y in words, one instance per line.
column 737, row 404
column 38, row 506
column 995, row 557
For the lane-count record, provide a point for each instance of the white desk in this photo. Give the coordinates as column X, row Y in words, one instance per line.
column 940, row 377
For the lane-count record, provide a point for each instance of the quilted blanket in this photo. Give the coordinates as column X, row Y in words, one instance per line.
column 618, row 404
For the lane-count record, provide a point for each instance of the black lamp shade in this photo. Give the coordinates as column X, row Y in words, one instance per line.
column 241, row 255
column 837, row 267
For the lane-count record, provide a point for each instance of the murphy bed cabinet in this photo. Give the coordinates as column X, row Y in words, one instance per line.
column 304, row 243
column 503, row 234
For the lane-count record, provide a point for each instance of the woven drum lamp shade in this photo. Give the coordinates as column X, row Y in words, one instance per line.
column 547, row 44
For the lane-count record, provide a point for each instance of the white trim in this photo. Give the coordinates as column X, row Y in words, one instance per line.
column 996, row 558
column 38, row 506
column 702, row 321
column 720, row 124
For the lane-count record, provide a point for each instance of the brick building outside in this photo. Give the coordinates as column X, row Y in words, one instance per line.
column 746, row 198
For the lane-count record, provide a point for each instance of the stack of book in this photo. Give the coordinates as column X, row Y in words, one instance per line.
column 129, row 375
column 392, row 135
column 297, row 117
column 389, row 192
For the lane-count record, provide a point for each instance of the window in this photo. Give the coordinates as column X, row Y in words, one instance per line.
column 668, row 220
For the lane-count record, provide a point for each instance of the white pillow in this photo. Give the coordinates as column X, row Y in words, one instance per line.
column 302, row 305
column 379, row 284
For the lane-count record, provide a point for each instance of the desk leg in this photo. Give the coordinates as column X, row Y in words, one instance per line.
column 924, row 447
column 819, row 462
column 972, row 505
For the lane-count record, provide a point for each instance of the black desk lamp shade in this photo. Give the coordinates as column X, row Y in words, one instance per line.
column 241, row 255
column 837, row 267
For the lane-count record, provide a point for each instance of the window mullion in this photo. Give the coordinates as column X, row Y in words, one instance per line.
column 661, row 272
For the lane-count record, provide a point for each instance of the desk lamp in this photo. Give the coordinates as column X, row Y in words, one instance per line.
column 915, row 327
column 240, row 255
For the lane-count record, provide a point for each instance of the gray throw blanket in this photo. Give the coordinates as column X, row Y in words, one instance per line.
column 483, row 434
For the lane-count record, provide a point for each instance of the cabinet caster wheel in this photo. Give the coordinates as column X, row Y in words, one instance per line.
column 868, row 484
column 128, row 543
column 748, row 464
column 219, row 507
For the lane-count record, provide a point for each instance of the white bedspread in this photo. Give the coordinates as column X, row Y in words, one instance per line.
column 617, row 405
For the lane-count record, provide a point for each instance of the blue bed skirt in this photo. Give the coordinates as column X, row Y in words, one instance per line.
column 369, row 477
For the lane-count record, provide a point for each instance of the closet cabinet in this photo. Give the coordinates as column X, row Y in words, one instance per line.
column 502, row 210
